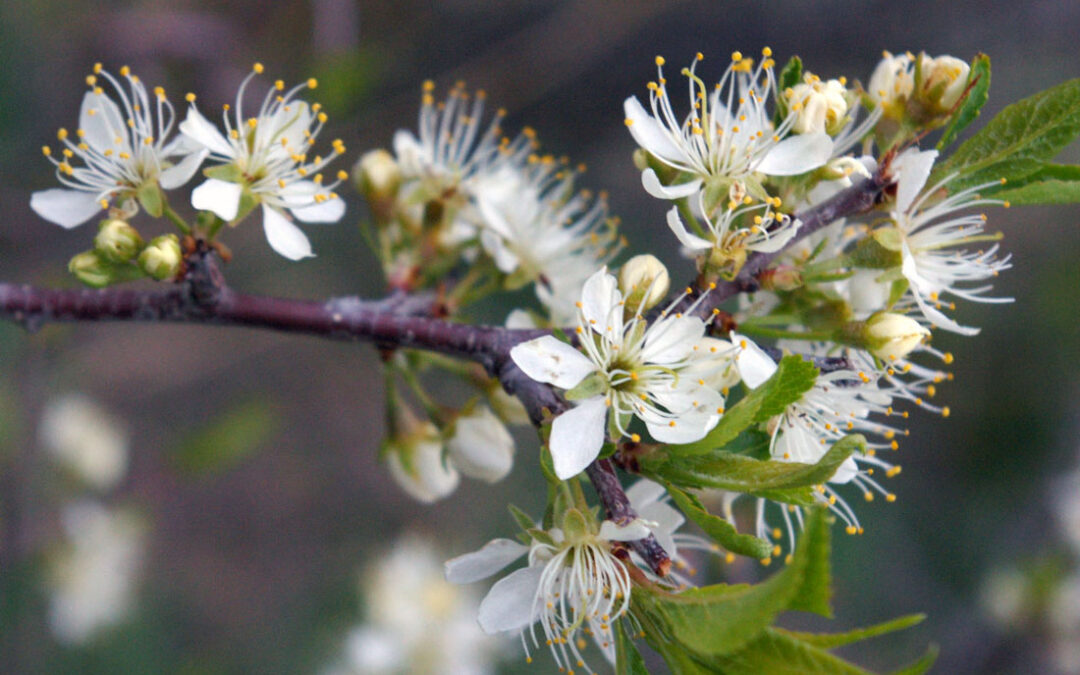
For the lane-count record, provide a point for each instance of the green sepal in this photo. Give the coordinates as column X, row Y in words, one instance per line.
column 230, row 173
column 594, row 384
column 718, row 529
column 793, row 377
column 151, row 198
column 1018, row 141
column 523, row 520
column 897, row 290
column 790, row 76
column 879, row 251
column 248, row 202
column 978, row 83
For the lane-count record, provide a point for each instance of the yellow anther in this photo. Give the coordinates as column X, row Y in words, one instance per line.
column 945, row 412
column 125, row 71
column 46, row 150
column 635, row 438
column 61, row 133
column 279, row 84
column 850, row 529
column 947, row 357
column 736, row 56
column 252, row 122
column 258, row 68
column 312, row 83
column 660, row 60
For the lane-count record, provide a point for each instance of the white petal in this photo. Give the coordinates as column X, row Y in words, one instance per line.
column 653, row 186
column 777, row 241
column 671, row 340
column 509, row 605
column 182, row 171
column 66, row 208
column 755, row 366
column 648, row 133
column 202, row 131
column 632, row 531
column 409, row 152
column 600, row 300
column 796, row 154
column 913, row 168
column 644, row 492
column 285, row 237
column 577, row 436
column 496, row 554
column 329, row 211
column 105, row 125
column 547, row 359
column 218, row 196
column 690, row 241
column 481, row 447
column 520, row 319
column 845, row 472
column 505, row 259
column 428, row 479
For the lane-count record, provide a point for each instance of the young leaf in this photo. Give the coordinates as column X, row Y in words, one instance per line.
column 793, row 377
column 1052, row 184
column 628, row 660
column 833, row 640
column 777, row 653
column 227, row 439
column 979, row 87
column 815, row 594
column 790, row 76
column 1018, row 141
column 719, row 529
column 921, row 666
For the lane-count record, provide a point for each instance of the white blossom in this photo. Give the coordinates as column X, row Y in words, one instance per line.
column 267, row 160
column 417, row 464
column 123, row 145
column 86, row 439
column 480, row 446
column 635, row 369
column 728, row 132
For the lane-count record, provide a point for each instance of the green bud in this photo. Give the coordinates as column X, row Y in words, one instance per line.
column 117, row 241
column 377, row 175
column 574, row 525
column 92, row 269
column 162, row 257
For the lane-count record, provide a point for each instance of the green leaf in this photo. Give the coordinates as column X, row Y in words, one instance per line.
column 227, row 439
column 628, row 660
column 721, row 619
column 739, row 473
column 833, row 640
column 1017, row 142
column 815, row 593
column 1052, row 184
column 979, row 89
column 719, row 529
column 523, row 520
column 790, row 76
column 777, row 653
column 793, row 377
column 923, row 665
column 153, row 202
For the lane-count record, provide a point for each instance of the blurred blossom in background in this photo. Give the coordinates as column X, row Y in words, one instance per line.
column 210, row 512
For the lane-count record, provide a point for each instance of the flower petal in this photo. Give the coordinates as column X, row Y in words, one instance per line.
column 632, row 531
column 577, row 436
column 218, row 196
column 796, row 155
column 202, row 131
column 285, row 237
column 755, row 366
column 510, row 604
column 496, row 554
column 690, row 241
column 182, row 171
column 672, row 339
column 329, row 211
column 648, row 133
column 550, row 360
column 653, row 186
column 66, row 208
column 912, row 168
column 600, row 300
column 104, row 125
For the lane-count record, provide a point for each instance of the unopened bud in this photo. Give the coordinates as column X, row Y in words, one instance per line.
column 944, row 80
column 644, row 281
column 92, row 269
column 891, row 84
column 416, row 463
column 481, row 447
column 162, row 257
column 819, row 107
column 117, row 241
column 377, row 176
column 892, row 336
column 783, row 278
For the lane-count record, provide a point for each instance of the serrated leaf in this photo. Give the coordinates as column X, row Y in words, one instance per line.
column 793, row 377
column 1052, row 184
column 739, row 473
column 777, row 653
column 1018, row 140
column 719, row 529
column 721, row 619
column 628, row 660
column 833, row 640
column 227, row 439
column 979, row 83
column 924, row 664
column 815, row 593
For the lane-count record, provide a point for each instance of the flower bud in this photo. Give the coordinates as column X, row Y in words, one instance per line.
column 117, row 241
column 92, row 269
column 892, row 336
column 944, row 80
column 481, row 447
column 162, row 257
column 377, row 176
column 820, row 107
column 891, row 84
column 416, row 463
column 644, row 281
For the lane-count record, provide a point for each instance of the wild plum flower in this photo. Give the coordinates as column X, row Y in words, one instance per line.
column 629, row 368
column 125, row 146
column 738, row 227
column 266, row 160
column 573, row 583
column 929, row 233
column 728, row 133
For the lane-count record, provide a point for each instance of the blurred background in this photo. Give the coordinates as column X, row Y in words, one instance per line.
column 239, row 496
